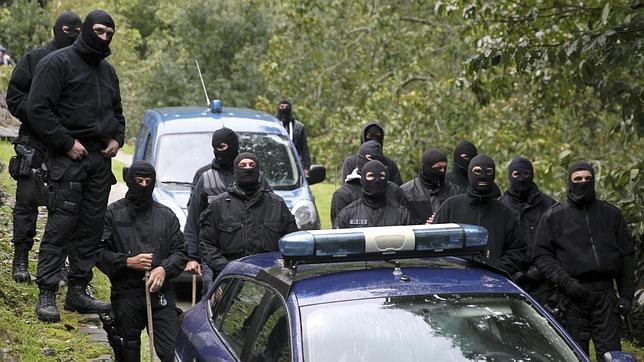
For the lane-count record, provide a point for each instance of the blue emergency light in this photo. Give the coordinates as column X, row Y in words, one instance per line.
column 215, row 106
column 388, row 242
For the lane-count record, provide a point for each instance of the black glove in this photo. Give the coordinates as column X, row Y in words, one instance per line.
column 624, row 306
column 533, row 274
column 571, row 288
column 518, row 277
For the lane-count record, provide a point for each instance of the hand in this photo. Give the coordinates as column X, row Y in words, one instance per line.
column 111, row 149
column 193, row 267
column 624, row 306
column 573, row 289
column 140, row 262
column 430, row 220
column 156, row 279
column 77, row 152
column 533, row 274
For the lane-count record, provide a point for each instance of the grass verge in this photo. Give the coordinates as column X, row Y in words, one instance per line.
column 323, row 192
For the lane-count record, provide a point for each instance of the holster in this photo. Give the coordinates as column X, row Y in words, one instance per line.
column 27, row 160
column 116, row 342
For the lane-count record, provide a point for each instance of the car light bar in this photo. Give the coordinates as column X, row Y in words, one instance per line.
column 386, row 242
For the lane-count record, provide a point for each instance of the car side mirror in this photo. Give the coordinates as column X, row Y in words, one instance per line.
column 619, row 356
column 317, row 174
column 125, row 170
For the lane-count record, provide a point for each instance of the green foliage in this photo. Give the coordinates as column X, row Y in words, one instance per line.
column 24, row 25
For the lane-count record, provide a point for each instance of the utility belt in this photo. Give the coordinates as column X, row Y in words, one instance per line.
column 28, row 159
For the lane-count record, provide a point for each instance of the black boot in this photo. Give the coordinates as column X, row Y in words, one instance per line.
column 78, row 300
column 46, row 308
column 20, row 265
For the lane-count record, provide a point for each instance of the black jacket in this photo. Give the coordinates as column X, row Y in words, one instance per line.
column 458, row 179
column 233, row 226
column 528, row 213
column 20, row 84
column 358, row 215
column 205, row 186
column 422, row 202
column 297, row 132
column 505, row 249
column 350, row 163
column 352, row 191
column 590, row 244
column 73, row 98
column 127, row 234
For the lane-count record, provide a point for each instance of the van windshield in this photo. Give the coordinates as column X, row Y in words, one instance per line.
column 180, row 155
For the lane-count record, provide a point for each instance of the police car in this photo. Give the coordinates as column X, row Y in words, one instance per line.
column 371, row 294
column 177, row 142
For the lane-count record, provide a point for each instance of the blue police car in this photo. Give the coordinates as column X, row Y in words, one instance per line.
column 371, row 294
column 177, row 141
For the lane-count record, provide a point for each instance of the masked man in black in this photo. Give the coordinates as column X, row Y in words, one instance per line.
column 244, row 220
column 75, row 107
column 463, row 153
column 373, row 132
column 142, row 235
column 208, row 182
column 372, row 208
column 352, row 189
column 296, row 132
column 26, row 166
column 583, row 246
column 528, row 204
column 427, row 192
column 505, row 250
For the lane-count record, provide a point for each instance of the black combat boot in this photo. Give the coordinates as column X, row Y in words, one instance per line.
column 46, row 308
column 20, row 265
column 78, row 300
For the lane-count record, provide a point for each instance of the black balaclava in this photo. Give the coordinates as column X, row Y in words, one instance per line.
column 139, row 197
column 584, row 192
column 521, row 186
column 247, row 179
column 431, row 178
column 284, row 115
column 372, row 148
column 96, row 47
column 374, row 192
column 461, row 165
column 225, row 159
column 71, row 20
column 373, row 131
column 474, row 188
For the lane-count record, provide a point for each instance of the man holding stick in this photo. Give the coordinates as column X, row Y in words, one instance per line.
column 142, row 249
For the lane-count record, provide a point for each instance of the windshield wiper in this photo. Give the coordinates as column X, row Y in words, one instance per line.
column 176, row 182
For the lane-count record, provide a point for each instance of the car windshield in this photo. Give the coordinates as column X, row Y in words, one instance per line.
column 180, row 155
column 488, row 327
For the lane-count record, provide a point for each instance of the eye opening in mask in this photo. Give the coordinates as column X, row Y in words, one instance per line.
column 100, row 30
column 383, row 175
column 143, row 181
column 222, row 147
column 478, row 170
column 66, row 29
column 283, row 106
column 370, row 176
column 465, row 156
column 440, row 166
column 368, row 157
column 517, row 174
column 247, row 163
column 582, row 179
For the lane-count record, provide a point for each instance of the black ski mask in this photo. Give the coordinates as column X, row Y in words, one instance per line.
column 226, row 158
column 370, row 150
column 432, row 179
column 285, row 115
column 481, row 169
column 581, row 193
column 373, row 131
column 521, row 185
column 460, row 164
column 374, row 192
column 96, row 47
column 247, row 179
column 72, row 21
column 139, row 197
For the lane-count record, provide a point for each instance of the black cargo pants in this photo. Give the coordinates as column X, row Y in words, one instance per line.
column 78, row 194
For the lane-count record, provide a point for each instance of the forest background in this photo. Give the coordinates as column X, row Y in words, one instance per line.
column 551, row 80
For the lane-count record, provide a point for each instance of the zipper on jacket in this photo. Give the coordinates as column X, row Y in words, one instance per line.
column 98, row 105
column 590, row 235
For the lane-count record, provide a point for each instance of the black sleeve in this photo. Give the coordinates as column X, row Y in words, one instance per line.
column 401, row 197
column 110, row 261
column 118, row 112
column 543, row 251
column 176, row 261
column 348, row 166
column 18, row 90
column 209, row 241
column 626, row 281
column 342, row 222
column 405, row 217
column 191, row 229
column 45, row 92
column 338, row 203
column 395, row 173
column 288, row 220
column 513, row 258
column 305, row 156
column 442, row 214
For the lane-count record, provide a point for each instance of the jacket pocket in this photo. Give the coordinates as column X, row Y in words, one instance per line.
column 230, row 238
column 273, row 232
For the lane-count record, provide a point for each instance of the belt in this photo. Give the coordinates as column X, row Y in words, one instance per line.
column 127, row 293
column 598, row 286
column 93, row 145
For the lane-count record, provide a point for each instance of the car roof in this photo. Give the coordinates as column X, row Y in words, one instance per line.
column 202, row 119
column 334, row 282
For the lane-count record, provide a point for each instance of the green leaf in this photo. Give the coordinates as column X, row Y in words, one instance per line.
column 605, row 13
column 634, row 173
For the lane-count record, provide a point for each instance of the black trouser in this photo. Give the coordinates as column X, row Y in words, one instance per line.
column 78, row 194
column 28, row 188
column 595, row 317
column 131, row 319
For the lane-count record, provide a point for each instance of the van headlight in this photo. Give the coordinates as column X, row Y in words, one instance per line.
column 305, row 214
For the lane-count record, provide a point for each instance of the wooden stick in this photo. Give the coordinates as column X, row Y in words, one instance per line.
column 194, row 289
column 148, row 306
